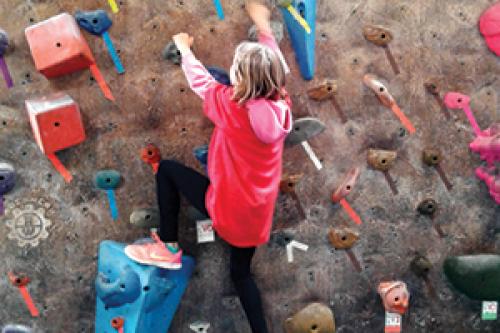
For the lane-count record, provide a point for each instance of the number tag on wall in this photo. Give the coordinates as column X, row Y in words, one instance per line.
column 205, row 231
column 490, row 310
column 392, row 322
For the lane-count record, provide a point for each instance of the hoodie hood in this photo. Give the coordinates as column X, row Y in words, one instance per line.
column 271, row 120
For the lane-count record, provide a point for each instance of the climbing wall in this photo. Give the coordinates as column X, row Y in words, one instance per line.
column 51, row 230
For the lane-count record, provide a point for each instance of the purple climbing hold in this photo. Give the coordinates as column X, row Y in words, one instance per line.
column 7, row 181
column 4, row 42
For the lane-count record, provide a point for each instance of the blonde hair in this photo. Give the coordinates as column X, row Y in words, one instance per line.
column 257, row 72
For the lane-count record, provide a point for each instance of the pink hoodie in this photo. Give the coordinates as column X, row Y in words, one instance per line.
column 245, row 155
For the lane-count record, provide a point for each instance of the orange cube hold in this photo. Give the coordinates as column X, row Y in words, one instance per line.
column 56, row 122
column 58, row 47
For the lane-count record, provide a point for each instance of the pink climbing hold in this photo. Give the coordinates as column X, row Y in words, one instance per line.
column 488, row 145
column 491, row 180
column 455, row 100
column 489, row 25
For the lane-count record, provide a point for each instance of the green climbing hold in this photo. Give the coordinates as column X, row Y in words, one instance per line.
column 107, row 179
column 477, row 276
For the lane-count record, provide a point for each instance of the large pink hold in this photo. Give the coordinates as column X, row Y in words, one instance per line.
column 492, row 181
column 489, row 25
column 488, row 145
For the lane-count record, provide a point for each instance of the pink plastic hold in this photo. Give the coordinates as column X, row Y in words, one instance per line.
column 492, row 181
column 489, row 25
column 488, row 145
column 455, row 100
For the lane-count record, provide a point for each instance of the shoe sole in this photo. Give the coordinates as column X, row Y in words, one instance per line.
column 164, row 265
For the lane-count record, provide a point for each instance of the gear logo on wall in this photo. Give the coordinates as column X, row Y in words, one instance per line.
column 27, row 221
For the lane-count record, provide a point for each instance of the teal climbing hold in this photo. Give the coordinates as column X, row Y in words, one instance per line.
column 477, row 276
column 303, row 41
column 107, row 179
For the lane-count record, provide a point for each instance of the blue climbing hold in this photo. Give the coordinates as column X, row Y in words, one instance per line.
column 303, row 42
column 95, row 22
column 146, row 297
column 201, row 154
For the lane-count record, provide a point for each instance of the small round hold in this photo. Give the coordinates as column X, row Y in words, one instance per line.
column 151, row 154
column 428, row 207
column 117, row 322
column 107, row 179
column 395, row 296
column 377, row 35
column 431, row 157
column 421, row 266
column 172, row 53
column 7, row 178
column 326, row 90
column 314, row 318
column 145, row 218
column 381, row 160
column 18, row 280
column 289, row 182
column 343, row 238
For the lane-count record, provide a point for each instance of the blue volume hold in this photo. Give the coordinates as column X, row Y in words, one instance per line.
column 112, row 53
column 220, row 10
column 113, row 208
column 302, row 42
column 146, row 297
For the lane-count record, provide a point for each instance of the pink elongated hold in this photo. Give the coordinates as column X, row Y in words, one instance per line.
column 488, row 145
column 455, row 100
column 492, row 181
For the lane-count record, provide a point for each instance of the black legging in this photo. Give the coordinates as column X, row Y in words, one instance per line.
column 174, row 179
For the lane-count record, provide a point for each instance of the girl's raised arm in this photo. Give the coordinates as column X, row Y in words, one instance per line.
column 198, row 77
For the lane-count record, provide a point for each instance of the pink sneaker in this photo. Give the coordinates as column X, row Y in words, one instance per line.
column 154, row 254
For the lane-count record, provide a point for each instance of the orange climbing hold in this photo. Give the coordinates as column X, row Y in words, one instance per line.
column 117, row 323
column 21, row 282
column 57, row 124
column 152, row 156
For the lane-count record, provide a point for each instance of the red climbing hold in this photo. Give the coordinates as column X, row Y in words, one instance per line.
column 58, row 48
column 57, row 125
column 489, row 25
column 152, row 156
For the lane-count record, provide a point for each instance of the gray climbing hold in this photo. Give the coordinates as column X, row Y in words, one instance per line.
column 172, row 53
column 304, row 129
column 276, row 26
column 16, row 329
column 145, row 218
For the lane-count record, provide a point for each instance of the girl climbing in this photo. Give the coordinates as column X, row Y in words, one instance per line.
column 252, row 118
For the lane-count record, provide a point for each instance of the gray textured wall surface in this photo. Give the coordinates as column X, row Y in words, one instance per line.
column 154, row 105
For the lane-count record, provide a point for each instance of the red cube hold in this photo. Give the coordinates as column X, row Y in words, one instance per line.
column 56, row 122
column 58, row 47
